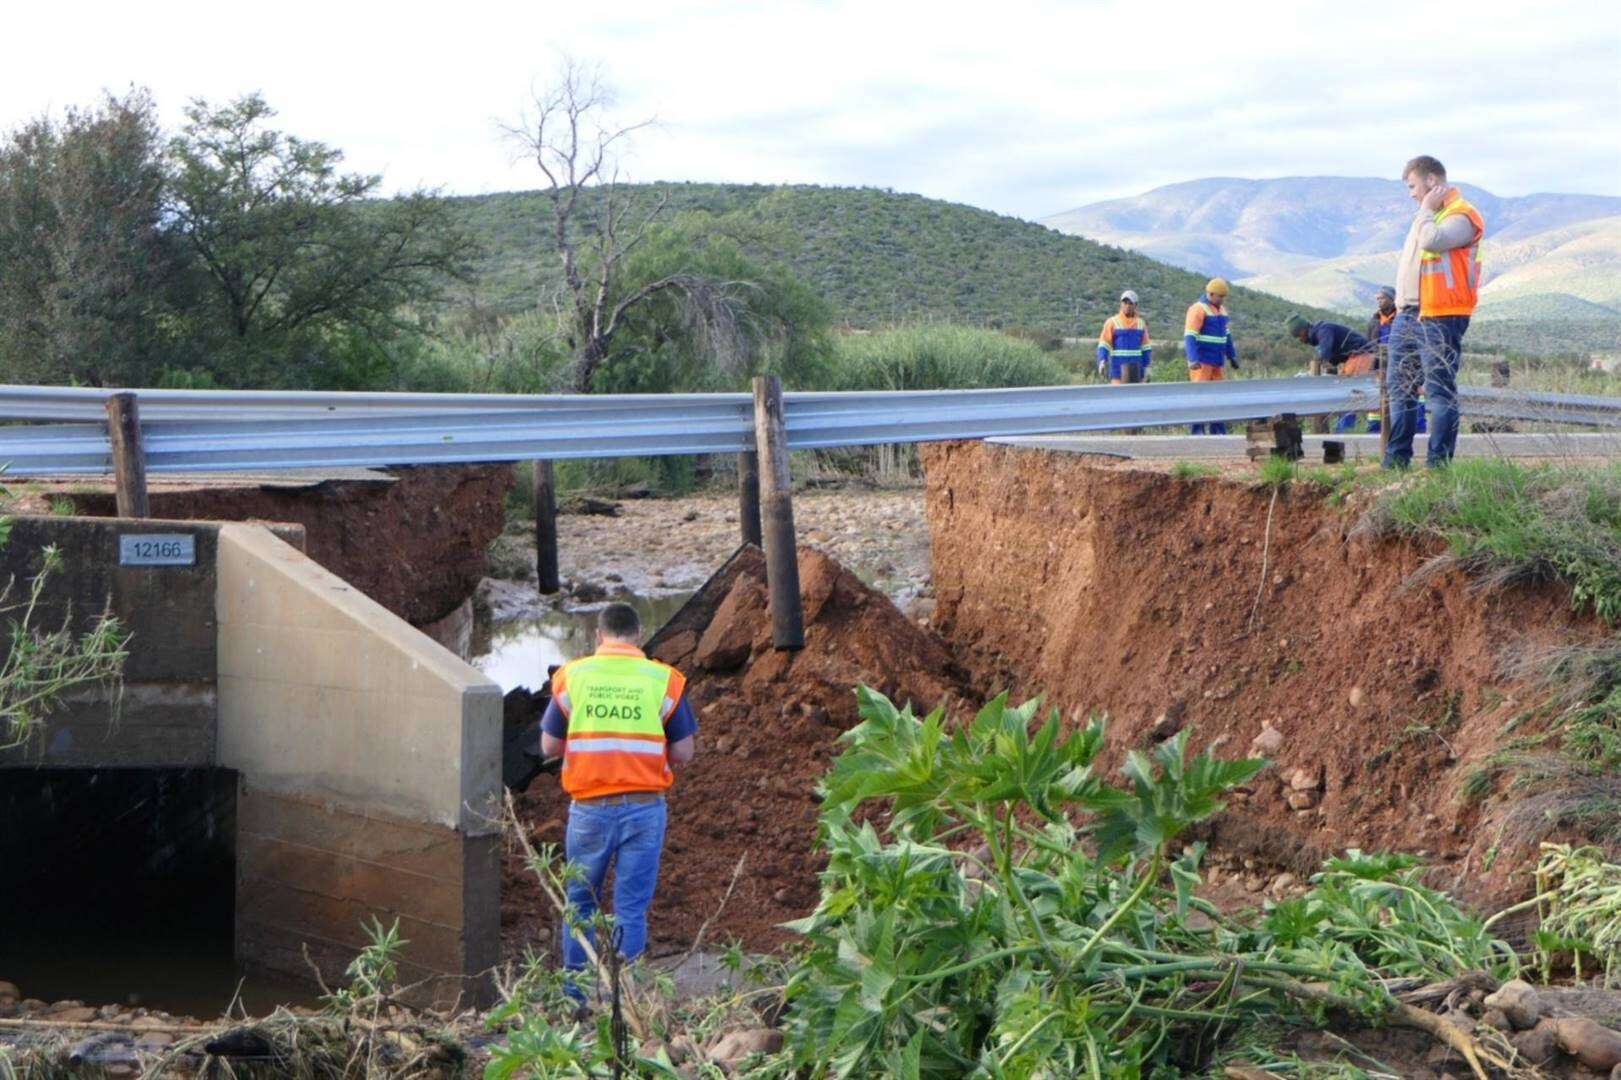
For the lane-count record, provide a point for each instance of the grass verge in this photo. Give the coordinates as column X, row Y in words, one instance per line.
column 1505, row 522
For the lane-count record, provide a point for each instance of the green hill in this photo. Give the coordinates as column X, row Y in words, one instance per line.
column 883, row 258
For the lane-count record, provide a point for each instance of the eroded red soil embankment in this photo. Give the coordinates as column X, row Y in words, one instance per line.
column 1132, row 592
column 415, row 545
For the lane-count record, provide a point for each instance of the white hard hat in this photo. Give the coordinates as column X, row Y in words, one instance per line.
column 1128, row 295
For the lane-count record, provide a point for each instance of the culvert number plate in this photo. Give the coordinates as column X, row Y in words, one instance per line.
column 157, row 549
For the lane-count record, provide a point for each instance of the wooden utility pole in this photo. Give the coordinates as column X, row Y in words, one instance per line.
column 129, row 458
column 748, row 497
column 777, row 515
column 545, row 497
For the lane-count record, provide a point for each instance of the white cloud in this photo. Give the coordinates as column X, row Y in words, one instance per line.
column 1020, row 106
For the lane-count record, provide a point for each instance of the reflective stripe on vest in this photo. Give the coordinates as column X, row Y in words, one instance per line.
column 1212, row 318
column 1449, row 281
column 617, row 707
column 1125, row 342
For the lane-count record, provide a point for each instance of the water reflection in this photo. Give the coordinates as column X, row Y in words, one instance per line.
column 518, row 652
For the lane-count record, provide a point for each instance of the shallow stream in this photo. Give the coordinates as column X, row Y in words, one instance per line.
column 519, row 652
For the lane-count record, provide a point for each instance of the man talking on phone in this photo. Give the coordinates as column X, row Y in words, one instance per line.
column 1437, row 282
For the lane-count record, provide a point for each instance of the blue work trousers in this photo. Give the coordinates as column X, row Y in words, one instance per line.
column 1424, row 358
column 629, row 835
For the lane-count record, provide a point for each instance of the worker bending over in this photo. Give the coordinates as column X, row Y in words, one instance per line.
column 1124, row 352
column 1207, row 340
column 619, row 721
column 1337, row 350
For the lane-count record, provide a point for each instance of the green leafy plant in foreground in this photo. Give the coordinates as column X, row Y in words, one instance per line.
column 1018, row 916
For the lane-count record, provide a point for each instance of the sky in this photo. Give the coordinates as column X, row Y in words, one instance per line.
column 1023, row 107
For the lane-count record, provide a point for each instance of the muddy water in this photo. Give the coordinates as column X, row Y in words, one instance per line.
column 518, row 652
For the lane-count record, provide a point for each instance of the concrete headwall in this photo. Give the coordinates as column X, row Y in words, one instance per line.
column 163, row 715
column 367, row 758
column 370, row 771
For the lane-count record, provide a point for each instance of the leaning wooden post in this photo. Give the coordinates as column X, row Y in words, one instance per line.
column 129, row 458
column 545, row 497
column 748, row 497
column 777, row 515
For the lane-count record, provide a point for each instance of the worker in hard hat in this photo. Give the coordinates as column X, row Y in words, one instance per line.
column 1207, row 339
column 1124, row 352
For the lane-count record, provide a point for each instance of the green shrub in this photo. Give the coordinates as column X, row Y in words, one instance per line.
column 940, row 356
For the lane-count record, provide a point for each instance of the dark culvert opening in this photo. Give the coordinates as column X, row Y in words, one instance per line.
column 119, row 886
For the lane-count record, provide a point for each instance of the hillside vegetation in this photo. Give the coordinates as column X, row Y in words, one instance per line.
column 882, row 258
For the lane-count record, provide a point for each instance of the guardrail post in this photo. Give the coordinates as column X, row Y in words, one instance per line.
column 129, row 457
column 777, row 515
column 545, row 496
column 748, row 497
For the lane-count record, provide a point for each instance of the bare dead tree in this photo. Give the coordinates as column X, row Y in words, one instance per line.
column 566, row 131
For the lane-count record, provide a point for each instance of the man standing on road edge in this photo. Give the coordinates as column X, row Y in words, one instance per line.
column 619, row 721
column 1207, row 339
column 1124, row 351
column 1437, row 283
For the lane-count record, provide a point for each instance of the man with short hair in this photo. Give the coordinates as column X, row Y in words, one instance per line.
column 1124, row 352
column 1437, row 284
column 619, row 721
column 1207, row 340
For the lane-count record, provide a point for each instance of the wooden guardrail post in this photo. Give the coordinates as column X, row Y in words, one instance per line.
column 777, row 515
column 129, row 458
column 545, row 497
column 748, row 497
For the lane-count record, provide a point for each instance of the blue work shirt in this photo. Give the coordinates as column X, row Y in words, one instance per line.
column 1335, row 343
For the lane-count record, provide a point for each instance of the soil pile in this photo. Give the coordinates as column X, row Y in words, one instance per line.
column 1268, row 625
column 768, row 722
column 415, row 544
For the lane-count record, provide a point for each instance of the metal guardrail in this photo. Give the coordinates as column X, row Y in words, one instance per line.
column 637, row 425
column 189, row 430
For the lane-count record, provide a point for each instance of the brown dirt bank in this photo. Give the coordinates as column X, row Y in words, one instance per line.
column 768, row 723
column 415, row 541
column 1131, row 592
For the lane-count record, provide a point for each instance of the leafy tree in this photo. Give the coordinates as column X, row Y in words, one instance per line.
column 771, row 321
column 85, row 263
column 295, row 256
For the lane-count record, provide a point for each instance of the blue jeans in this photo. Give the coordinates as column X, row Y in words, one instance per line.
column 1424, row 357
column 630, row 835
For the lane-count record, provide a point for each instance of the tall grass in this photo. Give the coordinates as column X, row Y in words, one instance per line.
column 940, row 356
column 1507, row 521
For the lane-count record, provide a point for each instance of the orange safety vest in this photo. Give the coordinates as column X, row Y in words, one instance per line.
column 616, row 702
column 1449, row 281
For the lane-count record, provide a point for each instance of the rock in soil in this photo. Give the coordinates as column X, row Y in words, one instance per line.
column 734, row 1046
column 1588, row 1041
column 1517, row 1000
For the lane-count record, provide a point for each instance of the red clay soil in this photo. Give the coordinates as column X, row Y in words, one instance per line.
column 1131, row 592
column 415, row 545
column 768, row 724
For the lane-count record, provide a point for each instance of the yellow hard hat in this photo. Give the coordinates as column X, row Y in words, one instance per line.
column 1217, row 287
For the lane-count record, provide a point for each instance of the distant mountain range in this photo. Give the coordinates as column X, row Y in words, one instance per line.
column 1332, row 241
